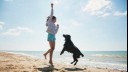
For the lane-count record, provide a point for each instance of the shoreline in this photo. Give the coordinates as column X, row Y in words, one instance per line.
column 17, row 62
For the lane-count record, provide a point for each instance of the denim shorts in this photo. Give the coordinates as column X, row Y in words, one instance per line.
column 51, row 37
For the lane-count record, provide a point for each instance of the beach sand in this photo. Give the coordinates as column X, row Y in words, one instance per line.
column 10, row 62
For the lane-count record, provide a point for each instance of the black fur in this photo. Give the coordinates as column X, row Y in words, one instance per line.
column 70, row 47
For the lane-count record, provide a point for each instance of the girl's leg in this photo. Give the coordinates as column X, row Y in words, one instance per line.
column 45, row 54
column 52, row 45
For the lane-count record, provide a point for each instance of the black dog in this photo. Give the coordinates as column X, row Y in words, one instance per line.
column 70, row 47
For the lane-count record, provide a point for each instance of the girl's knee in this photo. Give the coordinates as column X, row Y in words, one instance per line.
column 52, row 48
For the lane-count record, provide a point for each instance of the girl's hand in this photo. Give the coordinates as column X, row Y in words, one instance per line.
column 51, row 5
column 57, row 25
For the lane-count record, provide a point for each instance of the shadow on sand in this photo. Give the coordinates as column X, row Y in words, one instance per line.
column 47, row 69
column 52, row 69
column 74, row 69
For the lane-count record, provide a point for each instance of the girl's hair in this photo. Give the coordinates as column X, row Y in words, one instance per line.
column 53, row 17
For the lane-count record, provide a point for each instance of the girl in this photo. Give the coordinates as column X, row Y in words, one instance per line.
column 51, row 30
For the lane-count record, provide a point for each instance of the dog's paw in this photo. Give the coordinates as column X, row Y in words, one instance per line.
column 71, row 62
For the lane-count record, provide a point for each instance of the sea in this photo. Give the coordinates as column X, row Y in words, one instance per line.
column 101, row 59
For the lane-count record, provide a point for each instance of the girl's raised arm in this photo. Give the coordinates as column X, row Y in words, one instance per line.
column 51, row 15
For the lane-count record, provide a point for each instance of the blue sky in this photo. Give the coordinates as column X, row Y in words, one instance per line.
column 94, row 25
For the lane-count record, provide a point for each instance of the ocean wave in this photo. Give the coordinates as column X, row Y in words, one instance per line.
column 107, row 65
column 20, row 53
column 114, row 56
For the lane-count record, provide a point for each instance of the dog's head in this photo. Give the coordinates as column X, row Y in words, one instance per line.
column 67, row 37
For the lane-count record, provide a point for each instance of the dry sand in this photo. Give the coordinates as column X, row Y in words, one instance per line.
column 10, row 62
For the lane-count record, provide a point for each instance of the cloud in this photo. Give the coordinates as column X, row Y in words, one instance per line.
column 118, row 13
column 105, row 14
column 1, row 24
column 98, row 7
column 17, row 31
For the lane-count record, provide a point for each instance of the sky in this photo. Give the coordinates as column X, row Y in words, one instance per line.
column 94, row 25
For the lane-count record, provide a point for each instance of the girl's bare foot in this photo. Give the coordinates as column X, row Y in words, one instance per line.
column 45, row 56
column 51, row 63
